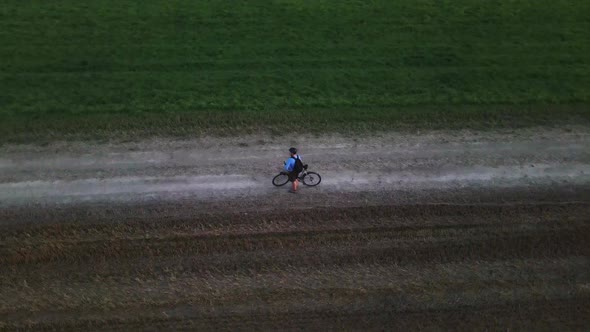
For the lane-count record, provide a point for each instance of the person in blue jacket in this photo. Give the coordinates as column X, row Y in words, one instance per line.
column 294, row 166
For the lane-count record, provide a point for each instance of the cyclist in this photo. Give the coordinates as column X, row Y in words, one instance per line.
column 294, row 166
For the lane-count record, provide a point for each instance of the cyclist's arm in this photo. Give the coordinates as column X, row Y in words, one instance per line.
column 289, row 164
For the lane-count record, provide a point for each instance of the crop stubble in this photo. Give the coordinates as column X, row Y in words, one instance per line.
column 398, row 266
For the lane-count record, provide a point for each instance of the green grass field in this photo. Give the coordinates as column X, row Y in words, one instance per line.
column 94, row 68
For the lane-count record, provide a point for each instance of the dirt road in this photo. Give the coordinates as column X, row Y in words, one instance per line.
column 426, row 230
column 230, row 169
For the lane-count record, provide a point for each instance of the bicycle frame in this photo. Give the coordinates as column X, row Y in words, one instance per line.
column 302, row 174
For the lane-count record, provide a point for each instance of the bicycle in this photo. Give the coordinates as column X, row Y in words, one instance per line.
column 310, row 179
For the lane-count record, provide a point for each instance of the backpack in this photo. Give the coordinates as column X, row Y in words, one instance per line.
column 298, row 167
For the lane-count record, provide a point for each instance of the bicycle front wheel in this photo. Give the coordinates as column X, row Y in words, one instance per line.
column 280, row 180
column 312, row 179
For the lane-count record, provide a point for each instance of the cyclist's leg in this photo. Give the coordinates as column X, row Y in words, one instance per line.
column 294, row 181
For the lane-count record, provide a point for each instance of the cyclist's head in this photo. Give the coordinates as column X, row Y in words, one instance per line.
column 293, row 151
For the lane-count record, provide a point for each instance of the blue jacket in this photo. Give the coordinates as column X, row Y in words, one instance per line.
column 290, row 163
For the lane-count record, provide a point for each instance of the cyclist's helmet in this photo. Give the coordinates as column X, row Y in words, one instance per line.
column 293, row 150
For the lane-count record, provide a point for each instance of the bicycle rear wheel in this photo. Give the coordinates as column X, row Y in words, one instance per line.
column 312, row 179
column 280, row 180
